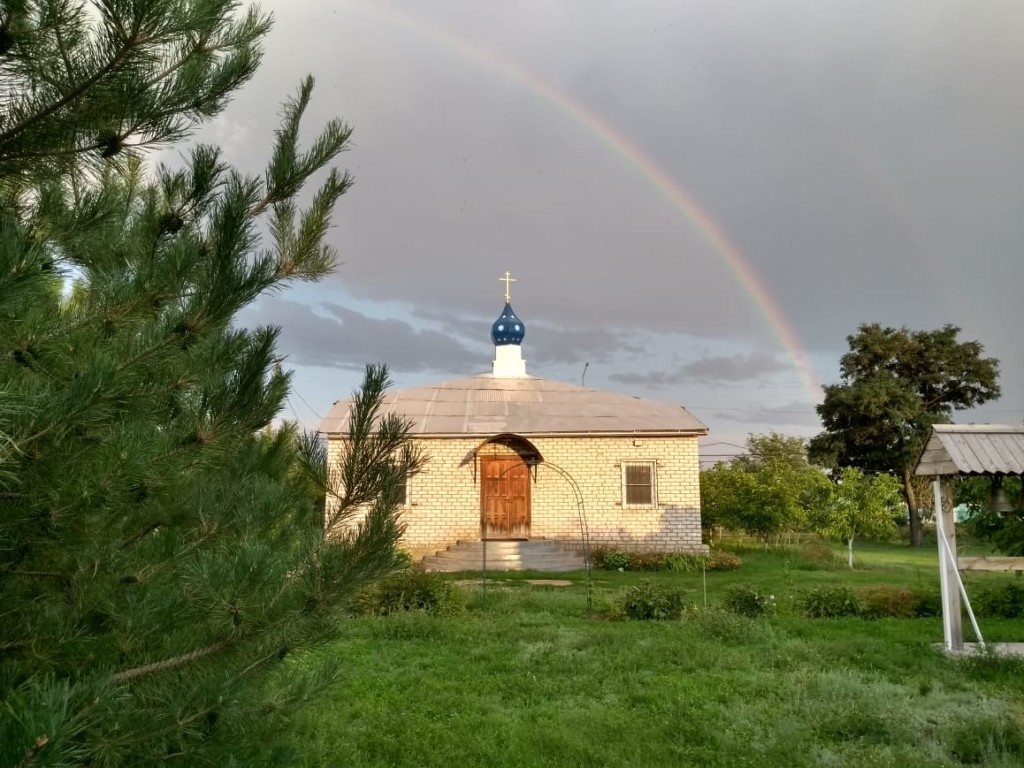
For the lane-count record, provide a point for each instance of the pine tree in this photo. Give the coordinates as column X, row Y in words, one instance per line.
column 162, row 546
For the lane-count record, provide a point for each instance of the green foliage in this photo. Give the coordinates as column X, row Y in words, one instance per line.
column 1004, row 531
column 685, row 563
column 162, row 546
column 773, row 450
column 896, row 383
column 652, row 602
column 646, row 561
column 928, row 602
column 815, row 556
column 979, row 740
column 748, row 600
column 720, row 560
column 771, row 490
column 1005, row 601
column 888, row 602
column 87, row 87
column 859, row 505
column 723, row 626
column 403, row 560
column 791, row 691
column 831, row 602
column 610, row 559
column 411, row 590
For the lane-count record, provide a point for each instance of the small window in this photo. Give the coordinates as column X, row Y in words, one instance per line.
column 638, row 487
column 403, row 494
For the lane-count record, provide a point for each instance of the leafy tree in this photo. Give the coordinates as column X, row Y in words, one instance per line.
column 774, row 450
column 859, row 505
column 896, row 383
column 770, row 490
column 160, row 550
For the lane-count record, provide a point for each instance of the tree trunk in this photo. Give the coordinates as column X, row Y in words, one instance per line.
column 849, row 548
column 916, row 531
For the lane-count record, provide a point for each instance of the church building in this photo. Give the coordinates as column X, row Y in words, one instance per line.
column 512, row 456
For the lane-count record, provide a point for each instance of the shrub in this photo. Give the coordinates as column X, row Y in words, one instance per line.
column 929, row 602
column 831, row 602
column 720, row 560
column 999, row 602
column 403, row 559
column 646, row 561
column 815, row 556
column 884, row 602
column 748, row 600
column 684, row 563
column 412, row 590
column 647, row 602
column 607, row 559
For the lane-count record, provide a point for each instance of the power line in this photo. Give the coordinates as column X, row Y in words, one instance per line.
column 743, row 410
column 773, row 411
column 311, row 408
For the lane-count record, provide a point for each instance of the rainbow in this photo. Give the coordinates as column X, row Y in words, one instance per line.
column 677, row 196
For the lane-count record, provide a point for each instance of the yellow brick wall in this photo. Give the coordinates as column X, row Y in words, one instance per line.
column 443, row 503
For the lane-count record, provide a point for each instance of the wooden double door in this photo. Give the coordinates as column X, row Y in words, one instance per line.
column 504, row 498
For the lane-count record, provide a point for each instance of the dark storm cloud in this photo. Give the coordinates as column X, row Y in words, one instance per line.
column 548, row 344
column 349, row 339
column 545, row 343
column 795, row 414
column 863, row 156
column 715, row 369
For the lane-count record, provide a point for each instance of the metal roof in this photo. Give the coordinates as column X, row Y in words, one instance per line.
column 485, row 405
column 973, row 449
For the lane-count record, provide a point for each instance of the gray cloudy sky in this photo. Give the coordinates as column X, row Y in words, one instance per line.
column 864, row 157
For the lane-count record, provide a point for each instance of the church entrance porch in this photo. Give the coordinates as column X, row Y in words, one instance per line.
column 504, row 498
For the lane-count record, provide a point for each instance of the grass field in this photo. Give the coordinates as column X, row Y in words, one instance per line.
column 528, row 679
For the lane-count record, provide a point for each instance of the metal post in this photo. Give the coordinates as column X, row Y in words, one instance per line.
column 581, row 512
column 483, row 554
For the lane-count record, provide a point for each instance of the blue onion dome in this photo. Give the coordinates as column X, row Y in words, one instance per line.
column 508, row 328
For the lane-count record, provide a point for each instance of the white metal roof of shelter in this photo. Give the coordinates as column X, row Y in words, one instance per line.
column 973, row 449
column 488, row 405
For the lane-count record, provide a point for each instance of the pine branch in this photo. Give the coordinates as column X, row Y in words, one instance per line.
column 57, row 29
column 175, row 662
column 32, row 753
column 129, row 45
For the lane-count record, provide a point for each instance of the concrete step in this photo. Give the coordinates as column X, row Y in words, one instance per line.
column 510, row 557
column 458, row 566
column 542, row 555
column 476, row 564
column 532, row 545
column 507, row 554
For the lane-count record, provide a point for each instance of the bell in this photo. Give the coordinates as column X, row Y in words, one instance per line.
column 998, row 501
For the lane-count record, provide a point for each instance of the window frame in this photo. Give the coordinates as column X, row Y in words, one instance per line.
column 652, row 467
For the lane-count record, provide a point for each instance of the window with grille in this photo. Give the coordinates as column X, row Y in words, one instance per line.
column 638, row 484
column 403, row 495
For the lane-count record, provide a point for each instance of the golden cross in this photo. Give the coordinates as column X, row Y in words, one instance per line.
column 506, row 280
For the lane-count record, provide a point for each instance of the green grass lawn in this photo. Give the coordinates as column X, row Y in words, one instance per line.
column 528, row 679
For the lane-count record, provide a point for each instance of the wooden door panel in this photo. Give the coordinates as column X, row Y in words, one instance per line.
column 505, row 498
